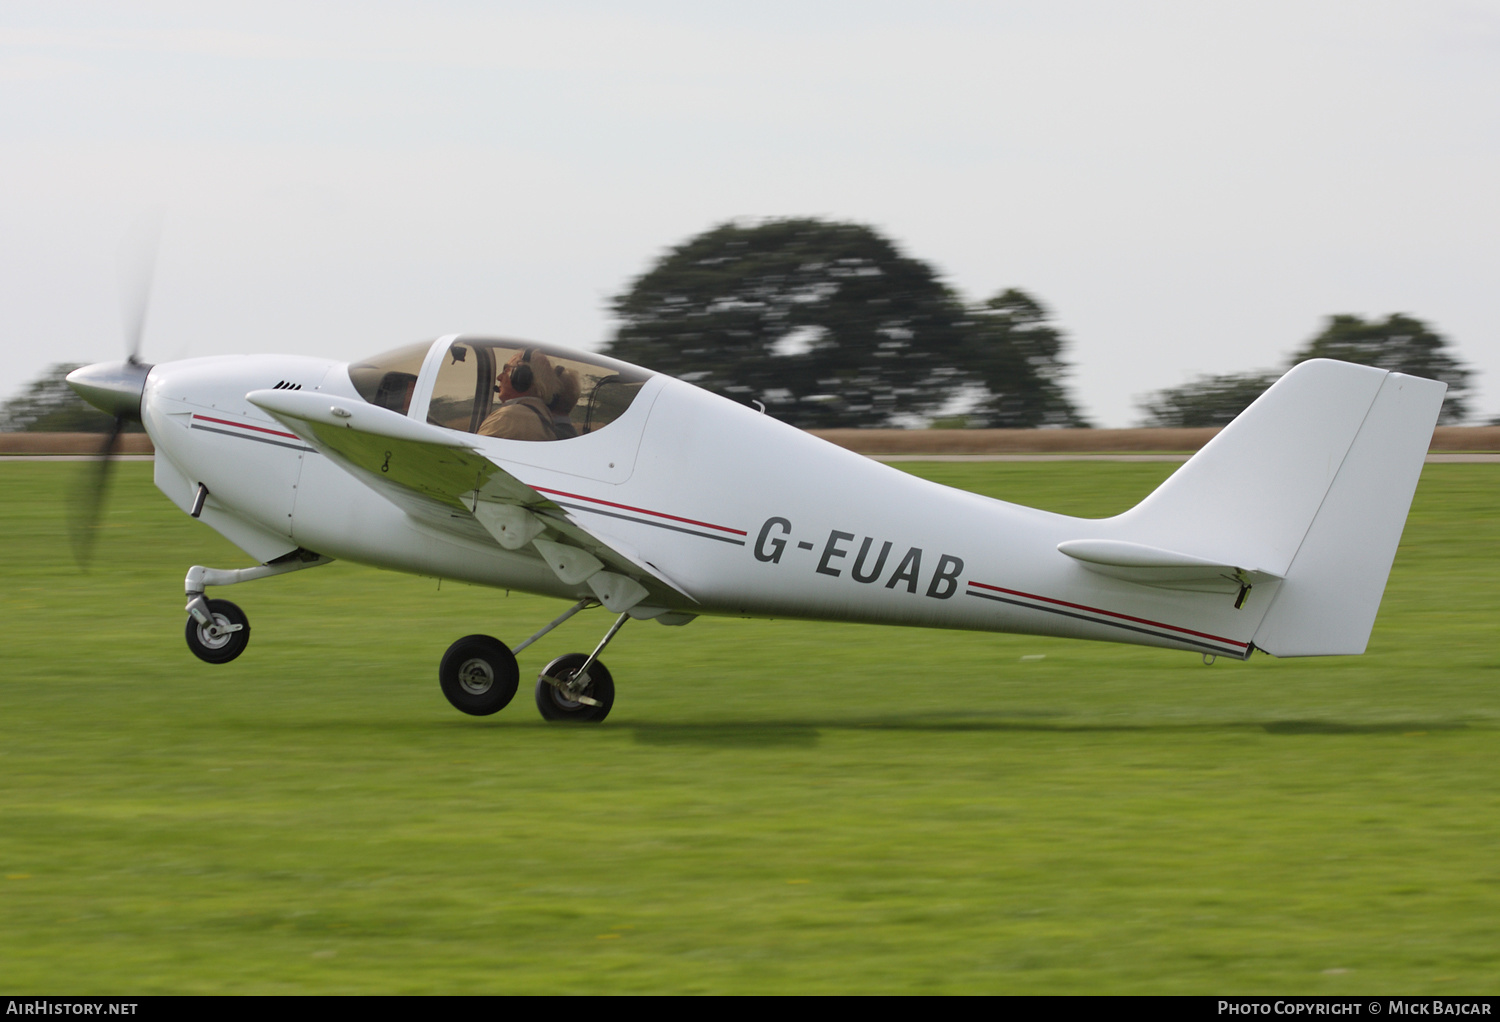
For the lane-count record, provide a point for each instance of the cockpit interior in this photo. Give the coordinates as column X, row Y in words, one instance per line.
column 467, row 384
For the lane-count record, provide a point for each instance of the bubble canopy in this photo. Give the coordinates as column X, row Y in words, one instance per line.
column 581, row 392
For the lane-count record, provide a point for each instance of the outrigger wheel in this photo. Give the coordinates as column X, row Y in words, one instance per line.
column 479, row 675
column 225, row 639
column 558, row 699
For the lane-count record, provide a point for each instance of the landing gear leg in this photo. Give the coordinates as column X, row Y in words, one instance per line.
column 578, row 688
column 580, row 605
column 217, row 630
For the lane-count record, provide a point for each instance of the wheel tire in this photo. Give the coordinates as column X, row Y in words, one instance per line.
column 219, row 649
column 479, row 675
column 556, row 706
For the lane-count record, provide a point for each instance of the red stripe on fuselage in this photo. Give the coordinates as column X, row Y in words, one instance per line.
column 1111, row 613
column 641, row 510
column 246, row 425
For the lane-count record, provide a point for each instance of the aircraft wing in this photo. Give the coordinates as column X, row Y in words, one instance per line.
column 439, row 477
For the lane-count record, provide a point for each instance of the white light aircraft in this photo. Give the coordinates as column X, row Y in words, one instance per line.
column 671, row 502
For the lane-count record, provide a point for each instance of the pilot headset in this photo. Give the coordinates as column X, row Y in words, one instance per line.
column 522, row 376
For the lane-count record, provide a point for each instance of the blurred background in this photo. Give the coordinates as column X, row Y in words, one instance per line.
column 1185, row 189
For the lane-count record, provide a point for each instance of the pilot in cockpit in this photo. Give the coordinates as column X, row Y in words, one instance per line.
column 527, row 384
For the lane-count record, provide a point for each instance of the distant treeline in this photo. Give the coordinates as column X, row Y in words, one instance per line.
column 828, row 325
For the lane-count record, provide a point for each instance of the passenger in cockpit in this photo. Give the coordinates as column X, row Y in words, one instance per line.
column 525, row 386
column 562, row 403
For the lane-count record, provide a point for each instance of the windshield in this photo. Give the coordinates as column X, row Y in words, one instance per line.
column 522, row 391
column 389, row 379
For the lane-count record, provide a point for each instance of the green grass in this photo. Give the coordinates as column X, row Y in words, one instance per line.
column 771, row 806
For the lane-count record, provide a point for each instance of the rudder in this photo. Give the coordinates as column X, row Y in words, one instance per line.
column 1327, row 603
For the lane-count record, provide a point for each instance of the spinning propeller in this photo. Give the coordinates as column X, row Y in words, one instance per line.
column 116, row 387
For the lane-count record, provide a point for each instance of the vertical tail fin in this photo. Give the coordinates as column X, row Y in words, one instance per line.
column 1312, row 484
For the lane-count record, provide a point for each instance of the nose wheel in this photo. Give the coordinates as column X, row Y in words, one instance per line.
column 221, row 638
column 217, row 630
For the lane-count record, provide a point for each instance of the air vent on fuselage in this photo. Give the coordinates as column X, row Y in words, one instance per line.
column 284, row 385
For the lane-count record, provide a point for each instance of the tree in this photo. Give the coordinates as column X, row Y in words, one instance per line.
column 1206, row 400
column 48, row 405
column 1016, row 355
column 827, row 324
column 1401, row 344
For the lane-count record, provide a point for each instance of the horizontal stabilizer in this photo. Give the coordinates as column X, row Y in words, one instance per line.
column 1153, row 566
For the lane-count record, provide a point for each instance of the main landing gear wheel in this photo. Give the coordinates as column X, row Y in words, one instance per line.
column 479, row 675
column 558, row 702
column 223, row 640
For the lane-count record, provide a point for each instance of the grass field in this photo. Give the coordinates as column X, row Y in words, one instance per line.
column 771, row 807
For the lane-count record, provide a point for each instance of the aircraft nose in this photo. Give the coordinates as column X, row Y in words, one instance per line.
column 113, row 387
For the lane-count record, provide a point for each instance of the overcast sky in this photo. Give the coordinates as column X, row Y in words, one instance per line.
column 1191, row 187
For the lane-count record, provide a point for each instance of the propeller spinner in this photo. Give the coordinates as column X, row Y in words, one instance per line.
column 113, row 387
